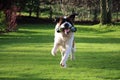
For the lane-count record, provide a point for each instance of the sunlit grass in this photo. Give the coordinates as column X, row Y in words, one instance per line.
column 25, row 55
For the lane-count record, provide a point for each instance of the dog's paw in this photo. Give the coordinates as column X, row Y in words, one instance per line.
column 63, row 65
column 53, row 53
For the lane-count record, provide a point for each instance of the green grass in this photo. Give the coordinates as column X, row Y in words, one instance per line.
column 25, row 55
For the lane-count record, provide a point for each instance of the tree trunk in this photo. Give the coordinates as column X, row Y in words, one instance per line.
column 105, row 7
column 30, row 12
column 95, row 14
column 103, row 10
column 11, row 19
column 109, row 7
column 51, row 13
column 117, row 15
column 10, row 11
column 30, row 8
column 37, row 8
column 37, row 12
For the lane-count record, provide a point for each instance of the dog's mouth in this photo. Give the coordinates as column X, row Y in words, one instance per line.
column 66, row 31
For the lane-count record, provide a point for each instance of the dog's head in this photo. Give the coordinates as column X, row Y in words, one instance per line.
column 65, row 24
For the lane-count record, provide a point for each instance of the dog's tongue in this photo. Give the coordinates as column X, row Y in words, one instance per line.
column 66, row 31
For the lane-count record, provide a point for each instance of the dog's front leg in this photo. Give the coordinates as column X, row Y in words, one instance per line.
column 65, row 57
column 67, row 53
column 54, row 49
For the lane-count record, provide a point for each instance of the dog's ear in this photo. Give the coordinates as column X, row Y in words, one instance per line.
column 56, row 19
column 72, row 16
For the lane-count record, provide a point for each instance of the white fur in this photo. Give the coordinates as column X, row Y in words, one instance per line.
column 65, row 44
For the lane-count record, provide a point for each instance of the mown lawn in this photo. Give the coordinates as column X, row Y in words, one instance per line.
column 25, row 55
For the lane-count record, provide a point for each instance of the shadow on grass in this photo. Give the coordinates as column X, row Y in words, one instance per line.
column 30, row 79
column 95, row 60
column 98, row 30
column 27, row 32
column 37, row 26
column 98, row 60
column 14, row 39
column 49, row 39
column 97, row 40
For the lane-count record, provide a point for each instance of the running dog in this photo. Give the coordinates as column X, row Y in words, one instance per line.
column 64, row 38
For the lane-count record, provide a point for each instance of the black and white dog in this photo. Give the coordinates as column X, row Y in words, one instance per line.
column 64, row 38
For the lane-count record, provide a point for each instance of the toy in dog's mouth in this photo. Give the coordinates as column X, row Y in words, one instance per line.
column 66, row 30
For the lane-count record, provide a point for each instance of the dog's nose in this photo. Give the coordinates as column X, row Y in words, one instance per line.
column 66, row 25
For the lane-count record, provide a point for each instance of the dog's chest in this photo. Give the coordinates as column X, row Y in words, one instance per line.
column 60, row 38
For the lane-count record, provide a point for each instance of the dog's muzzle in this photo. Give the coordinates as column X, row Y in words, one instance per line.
column 72, row 29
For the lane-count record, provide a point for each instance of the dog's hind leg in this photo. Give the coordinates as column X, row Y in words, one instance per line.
column 73, row 49
column 72, row 56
